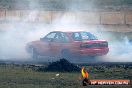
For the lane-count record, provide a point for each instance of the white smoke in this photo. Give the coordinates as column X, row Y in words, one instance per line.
column 120, row 51
column 14, row 40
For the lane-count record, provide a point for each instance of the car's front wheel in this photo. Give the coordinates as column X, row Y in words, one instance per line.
column 34, row 53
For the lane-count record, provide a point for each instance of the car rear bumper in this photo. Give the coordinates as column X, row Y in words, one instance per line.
column 94, row 52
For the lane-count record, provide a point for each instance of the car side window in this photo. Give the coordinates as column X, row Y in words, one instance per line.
column 57, row 38
column 76, row 36
column 61, row 37
column 85, row 36
column 50, row 36
column 64, row 37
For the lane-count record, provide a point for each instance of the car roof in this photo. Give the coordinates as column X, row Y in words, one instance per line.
column 69, row 31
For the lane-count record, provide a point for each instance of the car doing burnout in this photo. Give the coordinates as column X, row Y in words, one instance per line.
column 67, row 44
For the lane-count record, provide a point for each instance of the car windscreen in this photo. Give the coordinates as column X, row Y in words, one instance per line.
column 79, row 36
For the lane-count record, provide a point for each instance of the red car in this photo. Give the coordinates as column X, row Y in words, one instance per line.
column 67, row 44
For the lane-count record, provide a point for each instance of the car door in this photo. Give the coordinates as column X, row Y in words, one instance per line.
column 45, row 44
column 60, row 40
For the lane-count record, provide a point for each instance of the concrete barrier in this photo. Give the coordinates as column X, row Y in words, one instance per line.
column 13, row 15
column 2, row 15
column 44, row 16
column 82, row 17
column 112, row 18
column 128, row 17
column 116, row 28
column 110, row 21
column 88, row 17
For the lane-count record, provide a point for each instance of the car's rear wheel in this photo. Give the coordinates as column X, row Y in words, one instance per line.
column 34, row 53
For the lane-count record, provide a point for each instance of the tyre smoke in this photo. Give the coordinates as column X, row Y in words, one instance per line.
column 14, row 38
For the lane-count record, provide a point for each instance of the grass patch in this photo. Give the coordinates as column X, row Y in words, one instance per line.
column 12, row 76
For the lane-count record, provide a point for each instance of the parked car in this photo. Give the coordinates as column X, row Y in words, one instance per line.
column 66, row 44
